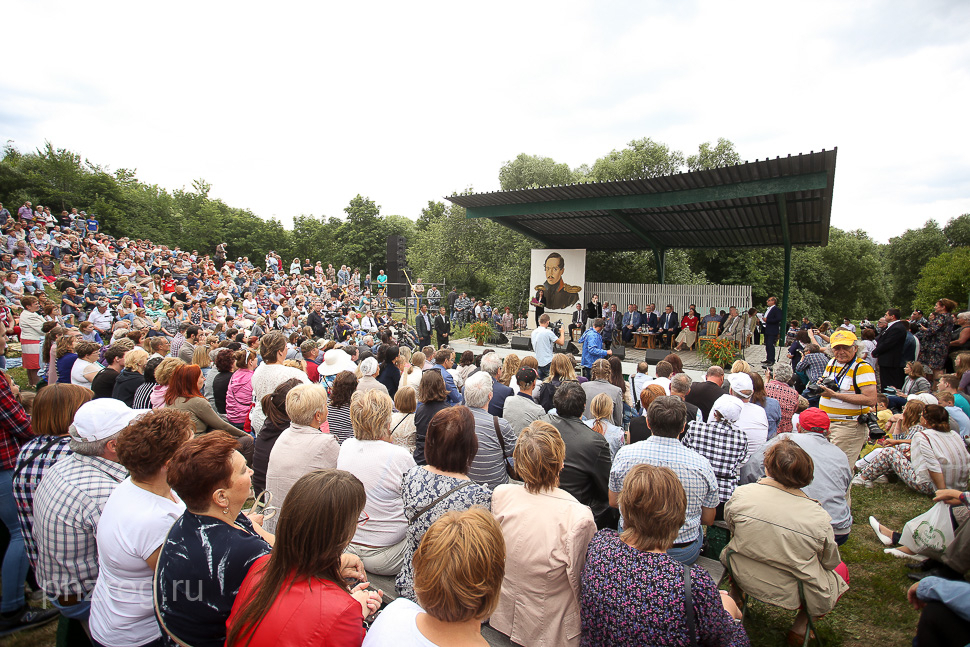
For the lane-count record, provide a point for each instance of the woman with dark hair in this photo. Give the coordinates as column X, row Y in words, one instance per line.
column 539, row 303
column 300, row 590
column 239, row 392
column 434, row 398
column 688, row 330
column 133, row 526
column 271, row 373
column 226, row 366
column 914, row 383
column 937, row 334
column 466, row 366
column 771, row 406
column 782, row 544
column 211, row 547
column 616, row 379
column 338, row 409
column 938, row 457
column 390, row 375
column 274, row 409
column 432, row 490
column 626, row 572
column 184, row 393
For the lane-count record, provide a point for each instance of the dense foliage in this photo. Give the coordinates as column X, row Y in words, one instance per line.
column 853, row 276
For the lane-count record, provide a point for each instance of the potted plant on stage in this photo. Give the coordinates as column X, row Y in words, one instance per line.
column 720, row 352
column 481, row 330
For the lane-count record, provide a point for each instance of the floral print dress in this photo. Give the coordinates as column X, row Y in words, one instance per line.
column 630, row 597
column 935, row 344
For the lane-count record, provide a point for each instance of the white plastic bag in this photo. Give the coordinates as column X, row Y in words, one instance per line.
column 929, row 533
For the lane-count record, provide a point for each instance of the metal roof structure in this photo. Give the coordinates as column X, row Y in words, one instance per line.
column 781, row 202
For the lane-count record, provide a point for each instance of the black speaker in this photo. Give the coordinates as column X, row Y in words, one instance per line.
column 654, row 355
column 521, row 343
column 498, row 338
column 570, row 348
column 397, row 283
column 618, row 351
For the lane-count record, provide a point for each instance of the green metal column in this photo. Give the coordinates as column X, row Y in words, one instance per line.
column 786, row 239
column 660, row 257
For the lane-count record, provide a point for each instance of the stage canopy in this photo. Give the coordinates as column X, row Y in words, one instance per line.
column 782, row 202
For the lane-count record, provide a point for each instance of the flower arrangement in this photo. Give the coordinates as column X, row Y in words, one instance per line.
column 719, row 352
column 481, row 330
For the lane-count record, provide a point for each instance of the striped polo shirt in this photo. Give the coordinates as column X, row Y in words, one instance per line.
column 861, row 374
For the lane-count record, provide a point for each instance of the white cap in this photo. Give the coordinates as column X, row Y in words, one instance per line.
column 729, row 407
column 741, row 383
column 102, row 418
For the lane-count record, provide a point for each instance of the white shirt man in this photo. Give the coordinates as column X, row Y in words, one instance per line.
column 753, row 420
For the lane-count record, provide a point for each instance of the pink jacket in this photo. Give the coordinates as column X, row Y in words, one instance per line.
column 239, row 397
column 546, row 536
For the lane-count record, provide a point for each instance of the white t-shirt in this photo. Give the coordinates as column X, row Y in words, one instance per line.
column 381, row 467
column 134, row 523
column 397, row 626
column 77, row 372
column 266, row 378
column 753, row 421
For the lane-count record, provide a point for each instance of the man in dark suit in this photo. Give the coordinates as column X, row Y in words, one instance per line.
column 772, row 328
column 442, row 326
column 649, row 318
column 594, row 309
column 631, row 322
column 579, row 320
column 423, row 325
column 705, row 394
column 611, row 326
column 889, row 350
column 668, row 325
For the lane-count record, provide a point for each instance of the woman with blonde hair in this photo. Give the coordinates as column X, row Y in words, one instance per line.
column 411, row 375
column 163, row 373
column 131, row 377
column 546, row 533
column 380, row 543
column 602, row 422
column 741, row 366
column 403, row 431
column 509, row 368
column 560, row 370
column 458, row 571
column 200, row 358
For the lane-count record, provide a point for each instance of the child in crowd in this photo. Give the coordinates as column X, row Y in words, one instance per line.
column 89, row 332
column 883, row 412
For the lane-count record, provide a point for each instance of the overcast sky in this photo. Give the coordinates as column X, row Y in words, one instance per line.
column 294, row 108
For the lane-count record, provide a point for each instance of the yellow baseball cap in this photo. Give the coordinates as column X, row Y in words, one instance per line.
column 842, row 338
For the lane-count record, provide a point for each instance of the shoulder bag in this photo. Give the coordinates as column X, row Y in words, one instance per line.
column 501, row 441
column 441, row 498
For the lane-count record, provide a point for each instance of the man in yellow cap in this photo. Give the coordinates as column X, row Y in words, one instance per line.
column 855, row 397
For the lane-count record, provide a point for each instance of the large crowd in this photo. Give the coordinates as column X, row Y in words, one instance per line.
column 213, row 453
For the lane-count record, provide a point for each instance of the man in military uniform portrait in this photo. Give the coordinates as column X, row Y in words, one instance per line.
column 559, row 295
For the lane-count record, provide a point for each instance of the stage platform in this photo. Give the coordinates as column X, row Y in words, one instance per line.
column 695, row 364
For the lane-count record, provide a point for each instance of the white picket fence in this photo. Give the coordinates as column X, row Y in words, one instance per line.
column 704, row 297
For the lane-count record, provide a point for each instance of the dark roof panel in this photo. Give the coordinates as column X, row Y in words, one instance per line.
column 733, row 206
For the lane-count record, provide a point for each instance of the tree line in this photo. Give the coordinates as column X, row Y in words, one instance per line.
column 852, row 276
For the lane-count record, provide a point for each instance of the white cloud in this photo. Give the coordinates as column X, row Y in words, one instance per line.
column 295, row 108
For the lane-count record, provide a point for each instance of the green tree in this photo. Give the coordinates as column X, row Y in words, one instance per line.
column 529, row 171
column 906, row 255
column 944, row 276
column 722, row 154
column 434, row 210
column 957, row 231
column 643, row 158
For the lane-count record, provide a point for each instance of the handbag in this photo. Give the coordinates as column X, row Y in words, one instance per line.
column 930, row 532
column 689, row 609
column 501, row 441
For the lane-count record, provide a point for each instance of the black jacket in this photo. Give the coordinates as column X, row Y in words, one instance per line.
column 586, row 470
column 424, row 330
column 594, row 310
column 422, row 417
column 125, row 386
column 442, row 325
column 315, row 321
column 704, row 394
column 889, row 349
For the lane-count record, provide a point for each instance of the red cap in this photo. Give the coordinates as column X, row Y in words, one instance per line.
column 813, row 419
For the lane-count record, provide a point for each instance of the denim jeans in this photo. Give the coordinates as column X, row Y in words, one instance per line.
column 14, row 572
column 688, row 554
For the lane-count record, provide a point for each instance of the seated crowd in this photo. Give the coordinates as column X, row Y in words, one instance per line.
column 557, row 509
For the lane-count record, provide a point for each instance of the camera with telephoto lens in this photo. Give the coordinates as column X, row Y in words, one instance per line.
column 815, row 388
column 872, row 422
column 556, row 327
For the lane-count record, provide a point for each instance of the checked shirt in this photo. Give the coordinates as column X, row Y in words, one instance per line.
column 67, row 508
column 35, row 458
column 725, row 446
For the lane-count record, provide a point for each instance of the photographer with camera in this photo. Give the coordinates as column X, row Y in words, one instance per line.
column 848, row 395
column 542, row 343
